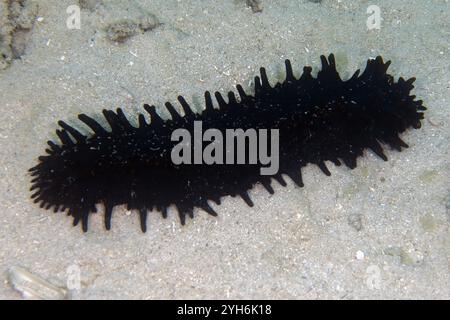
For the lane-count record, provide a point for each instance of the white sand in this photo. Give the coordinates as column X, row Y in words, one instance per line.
column 300, row 242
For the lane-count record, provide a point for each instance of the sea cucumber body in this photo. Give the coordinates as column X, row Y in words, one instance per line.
column 319, row 119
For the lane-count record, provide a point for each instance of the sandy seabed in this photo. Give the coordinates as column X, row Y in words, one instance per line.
column 379, row 231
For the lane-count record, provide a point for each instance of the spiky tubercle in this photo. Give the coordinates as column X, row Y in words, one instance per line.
column 319, row 119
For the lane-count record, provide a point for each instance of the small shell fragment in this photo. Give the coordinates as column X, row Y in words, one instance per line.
column 34, row 287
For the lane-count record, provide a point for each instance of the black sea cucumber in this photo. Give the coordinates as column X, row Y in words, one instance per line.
column 319, row 119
